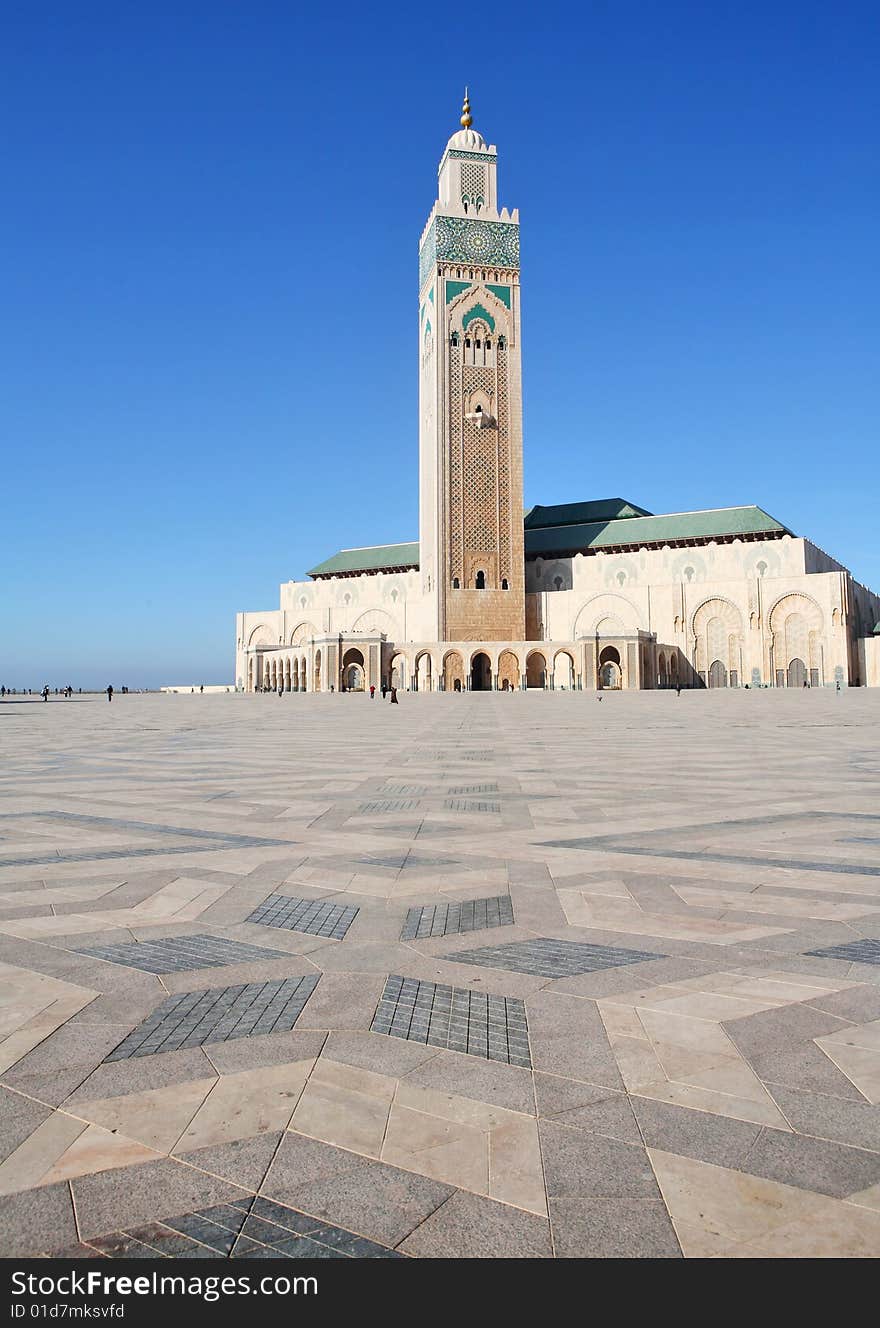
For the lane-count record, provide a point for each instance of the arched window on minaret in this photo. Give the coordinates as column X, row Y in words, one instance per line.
column 480, row 583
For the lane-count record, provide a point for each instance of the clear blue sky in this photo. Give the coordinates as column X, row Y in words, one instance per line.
column 209, row 294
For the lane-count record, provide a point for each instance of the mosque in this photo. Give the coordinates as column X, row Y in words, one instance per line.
column 595, row 594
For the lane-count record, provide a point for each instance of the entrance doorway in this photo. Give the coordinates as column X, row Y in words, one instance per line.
column 536, row 670
column 353, row 671
column 717, row 674
column 481, row 673
column 797, row 673
column 609, row 669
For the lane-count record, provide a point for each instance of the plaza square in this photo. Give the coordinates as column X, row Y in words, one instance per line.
column 522, row 975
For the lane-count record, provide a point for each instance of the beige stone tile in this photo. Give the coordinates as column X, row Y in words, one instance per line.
column 781, row 905
column 29, row 1163
column 617, row 915
column 869, row 1198
column 156, row 1118
column 860, row 1065
column 244, row 1105
column 449, row 1106
column 726, row 1204
column 840, row 1232
column 516, row 1174
column 713, row 1005
column 33, row 1006
column 621, row 1021
column 862, row 1035
column 637, row 1062
column 699, row 1242
column 670, row 1028
column 757, row 1111
column 345, row 1106
column 443, row 1149
column 96, row 1149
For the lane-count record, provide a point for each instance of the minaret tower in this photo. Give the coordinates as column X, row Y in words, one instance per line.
column 470, row 401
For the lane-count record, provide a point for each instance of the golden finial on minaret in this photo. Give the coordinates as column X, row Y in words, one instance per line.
column 466, row 120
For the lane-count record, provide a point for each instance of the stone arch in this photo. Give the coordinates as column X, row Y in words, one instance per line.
column 717, row 628
column 606, row 605
column 353, row 670
column 508, row 671
column 287, row 677
column 376, row 621
column 610, row 626
column 261, row 636
column 398, row 672
column 424, row 671
column 536, row 669
column 610, row 673
column 481, row 671
column 563, row 671
column 302, row 632
column 316, row 672
column 797, row 632
column 303, row 674
column 453, row 671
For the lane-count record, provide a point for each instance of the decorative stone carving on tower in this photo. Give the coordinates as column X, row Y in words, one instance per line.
column 470, row 401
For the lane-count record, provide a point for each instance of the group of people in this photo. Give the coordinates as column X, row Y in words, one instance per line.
column 44, row 691
column 385, row 689
column 65, row 691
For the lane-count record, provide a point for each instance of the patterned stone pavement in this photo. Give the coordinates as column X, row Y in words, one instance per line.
column 555, row 978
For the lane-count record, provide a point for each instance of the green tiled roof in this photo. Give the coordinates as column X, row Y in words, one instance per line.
column 653, row 529
column 575, row 514
column 380, row 558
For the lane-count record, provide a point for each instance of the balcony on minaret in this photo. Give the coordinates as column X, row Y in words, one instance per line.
column 480, row 418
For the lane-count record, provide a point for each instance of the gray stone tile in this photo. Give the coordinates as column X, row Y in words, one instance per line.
column 612, row 1229
column 176, row 954
column 720, row 1140
column 116, row 1200
column 315, row 917
column 855, row 952
column 244, row 1161
column 447, row 919
column 19, row 1117
column 467, row 1226
column 191, row 1019
column 377, row 1201
column 550, row 958
column 301, row 1161
column 37, row 1220
column 558, row 1049
column 473, row 1023
column 828, row 1168
column 847, row 1122
column 139, row 1075
column 595, row 1110
column 578, row 1165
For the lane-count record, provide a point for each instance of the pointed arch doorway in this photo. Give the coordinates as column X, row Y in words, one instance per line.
column 481, row 673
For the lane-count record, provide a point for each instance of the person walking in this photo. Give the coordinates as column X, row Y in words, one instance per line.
column 46, row 692
column 110, row 692
column 372, row 690
column 394, row 700
column 678, row 689
column 384, row 688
